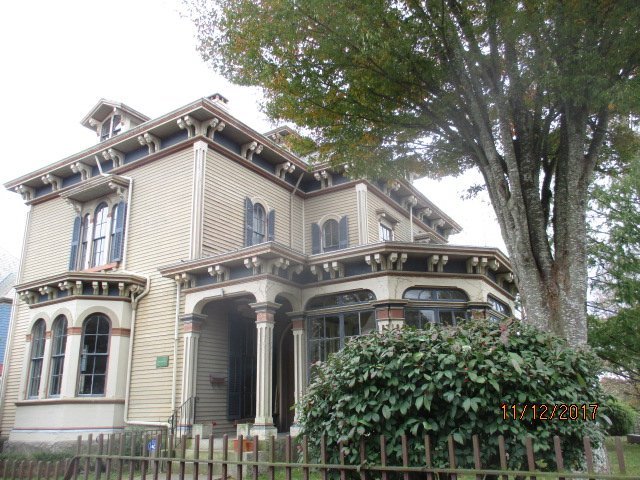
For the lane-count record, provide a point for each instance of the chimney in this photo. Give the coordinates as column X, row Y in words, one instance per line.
column 220, row 101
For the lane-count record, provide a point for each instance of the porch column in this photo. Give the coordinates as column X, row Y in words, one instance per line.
column 265, row 320
column 191, row 327
column 389, row 313
column 299, row 364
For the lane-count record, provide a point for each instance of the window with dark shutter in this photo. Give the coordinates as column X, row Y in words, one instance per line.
column 259, row 224
column 330, row 235
column 75, row 242
column 271, row 226
column 248, row 222
column 315, row 238
column 117, row 231
column 344, row 232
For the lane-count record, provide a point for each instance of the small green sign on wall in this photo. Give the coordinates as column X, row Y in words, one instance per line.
column 162, row 361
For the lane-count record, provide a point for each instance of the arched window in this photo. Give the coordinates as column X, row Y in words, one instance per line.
column 100, row 230
column 330, row 235
column 58, row 347
column 37, row 355
column 94, row 355
column 430, row 308
column 259, row 224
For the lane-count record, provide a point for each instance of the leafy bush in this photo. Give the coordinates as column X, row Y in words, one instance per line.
column 451, row 381
column 621, row 416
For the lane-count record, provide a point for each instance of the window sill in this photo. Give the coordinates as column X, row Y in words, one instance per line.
column 101, row 268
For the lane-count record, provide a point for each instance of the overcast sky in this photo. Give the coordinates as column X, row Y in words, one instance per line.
column 59, row 58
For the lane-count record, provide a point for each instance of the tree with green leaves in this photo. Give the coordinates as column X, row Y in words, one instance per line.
column 614, row 330
column 522, row 90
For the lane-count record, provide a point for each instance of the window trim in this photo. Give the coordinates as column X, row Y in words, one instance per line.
column 382, row 227
column 36, row 358
column 336, row 233
column 58, row 355
column 106, row 354
column 436, row 310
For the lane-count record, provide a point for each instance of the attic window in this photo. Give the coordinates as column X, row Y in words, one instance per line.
column 110, row 127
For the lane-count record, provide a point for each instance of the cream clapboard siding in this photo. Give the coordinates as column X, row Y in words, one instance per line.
column 160, row 217
column 340, row 203
column 15, row 367
column 48, row 244
column 227, row 184
column 213, row 359
column 401, row 232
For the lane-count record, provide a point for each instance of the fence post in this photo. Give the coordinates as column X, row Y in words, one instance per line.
column 255, row 456
column 503, row 456
column 452, row 456
column 586, row 441
column 476, row 455
column 363, row 459
column 196, row 457
column 98, row 460
column 405, row 455
column 531, row 462
column 87, row 462
column 383, row 456
column 427, row 455
column 240, row 453
column 272, row 458
column 620, row 455
column 225, row 455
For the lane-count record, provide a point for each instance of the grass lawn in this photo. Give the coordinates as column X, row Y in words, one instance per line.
column 631, row 456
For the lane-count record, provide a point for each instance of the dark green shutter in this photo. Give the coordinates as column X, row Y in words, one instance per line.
column 248, row 222
column 117, row 241
column 344, row 233
column 315, row 238
column 75, row 242
column 271, row 226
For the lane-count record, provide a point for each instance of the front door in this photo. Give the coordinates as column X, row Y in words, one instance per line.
column 241, row 402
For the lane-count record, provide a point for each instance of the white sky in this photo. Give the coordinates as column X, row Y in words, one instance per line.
column 59, row 58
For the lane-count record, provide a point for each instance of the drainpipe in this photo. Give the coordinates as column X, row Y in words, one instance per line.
column 291, row 211
column 134, row 310
column 174, row 377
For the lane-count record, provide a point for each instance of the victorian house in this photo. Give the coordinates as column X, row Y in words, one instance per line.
column 190, row 264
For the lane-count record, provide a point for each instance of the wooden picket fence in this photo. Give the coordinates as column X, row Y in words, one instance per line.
column 140, row 456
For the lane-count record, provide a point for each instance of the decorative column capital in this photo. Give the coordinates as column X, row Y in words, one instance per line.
column 269, row 307
column 192, row 322
column 389, row 313
column 297, row 321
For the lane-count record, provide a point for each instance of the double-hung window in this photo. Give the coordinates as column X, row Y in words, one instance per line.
column 58, row 348
column 98, row 235
column 36, row 358
column 94, row 355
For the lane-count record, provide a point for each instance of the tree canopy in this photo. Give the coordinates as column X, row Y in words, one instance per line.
column 522, row 90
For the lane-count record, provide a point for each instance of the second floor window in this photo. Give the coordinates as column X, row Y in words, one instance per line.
column 386, row 233
column 330, row 235
column 98, row 236
column 259, row 225
column 100, row 226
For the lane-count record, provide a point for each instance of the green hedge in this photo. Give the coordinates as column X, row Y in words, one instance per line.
column 452, row 381
column 621, row 416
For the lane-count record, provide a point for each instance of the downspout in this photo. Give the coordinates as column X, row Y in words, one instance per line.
column 291, row 210
column 174, row 377
column 134, row 310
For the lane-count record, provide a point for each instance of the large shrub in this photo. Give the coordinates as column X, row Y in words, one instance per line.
column 622, row 417
column 452, row 381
